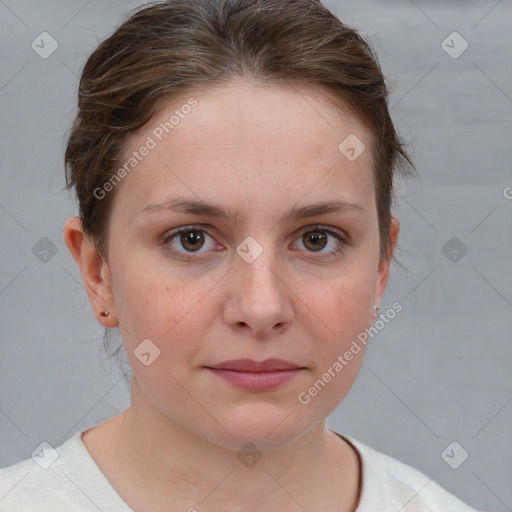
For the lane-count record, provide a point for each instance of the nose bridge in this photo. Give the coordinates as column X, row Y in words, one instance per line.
column 258, row 261
column 260, row 299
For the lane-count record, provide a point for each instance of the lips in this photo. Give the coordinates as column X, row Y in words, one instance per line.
column 250, row 365
column 256, row 376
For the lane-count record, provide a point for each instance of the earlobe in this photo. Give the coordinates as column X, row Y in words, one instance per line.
column 94, row 270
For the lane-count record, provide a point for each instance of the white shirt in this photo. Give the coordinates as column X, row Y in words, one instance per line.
column 74, row 483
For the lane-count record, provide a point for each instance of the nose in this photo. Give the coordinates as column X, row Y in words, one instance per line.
column 260, row 300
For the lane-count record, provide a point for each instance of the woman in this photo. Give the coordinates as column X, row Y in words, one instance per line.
column 233, row 163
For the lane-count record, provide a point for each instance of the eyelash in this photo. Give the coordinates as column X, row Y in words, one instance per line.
column 339, row 250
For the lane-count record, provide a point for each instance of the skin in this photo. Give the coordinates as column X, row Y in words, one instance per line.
column 258, row 151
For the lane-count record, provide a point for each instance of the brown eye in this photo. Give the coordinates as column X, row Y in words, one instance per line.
column 315, row 240
column 324, row 242
column 192, row 240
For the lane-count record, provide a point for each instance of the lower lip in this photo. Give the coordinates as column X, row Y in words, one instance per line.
column 257, row 381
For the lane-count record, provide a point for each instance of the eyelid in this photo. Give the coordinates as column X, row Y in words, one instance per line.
column 321, row 227
column 305, row 229
column 188, row 227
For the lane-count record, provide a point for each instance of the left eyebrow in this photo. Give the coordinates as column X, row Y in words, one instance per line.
column 202, row 208
column 312, row 210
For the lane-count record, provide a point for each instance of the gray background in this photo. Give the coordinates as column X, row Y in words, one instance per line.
column 439, row 372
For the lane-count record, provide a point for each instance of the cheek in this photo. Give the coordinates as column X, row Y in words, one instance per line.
column 337, row 316
column 176, row 318
column 152, row 299
column 169, row 308
column 337, row 309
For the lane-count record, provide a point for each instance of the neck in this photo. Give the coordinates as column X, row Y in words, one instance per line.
column 161, row 462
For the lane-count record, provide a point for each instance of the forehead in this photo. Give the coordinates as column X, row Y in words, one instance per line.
column 256, row 110
column 250, row 136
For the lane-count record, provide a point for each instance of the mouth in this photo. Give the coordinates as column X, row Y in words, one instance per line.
column 254, row 375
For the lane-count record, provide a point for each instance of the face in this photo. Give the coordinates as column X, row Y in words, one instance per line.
column 274, row 278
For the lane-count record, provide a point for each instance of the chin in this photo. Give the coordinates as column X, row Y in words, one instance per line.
column 266, row 427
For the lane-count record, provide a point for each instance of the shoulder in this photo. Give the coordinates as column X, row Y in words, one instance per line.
column 28, row 486
column 388, row 483
column 61, row 479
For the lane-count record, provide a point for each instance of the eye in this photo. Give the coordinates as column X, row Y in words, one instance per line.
column 189, row 240
column 317, row 238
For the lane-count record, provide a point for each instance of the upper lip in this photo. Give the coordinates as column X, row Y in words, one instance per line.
column 250, row 365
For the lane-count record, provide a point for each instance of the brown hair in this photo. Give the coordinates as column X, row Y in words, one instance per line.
column 168, row 48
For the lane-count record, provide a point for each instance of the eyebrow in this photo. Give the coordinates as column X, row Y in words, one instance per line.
column 202, row 208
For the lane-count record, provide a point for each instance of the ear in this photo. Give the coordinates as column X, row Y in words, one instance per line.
column 385, row 262
column 95, row 271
